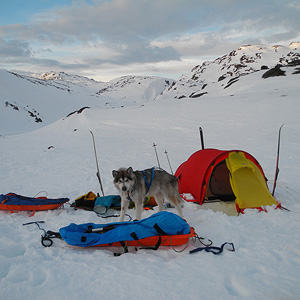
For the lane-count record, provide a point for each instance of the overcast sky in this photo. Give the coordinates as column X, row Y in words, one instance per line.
column 105, row 39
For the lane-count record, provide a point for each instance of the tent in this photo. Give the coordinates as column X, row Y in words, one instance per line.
column 225, row 176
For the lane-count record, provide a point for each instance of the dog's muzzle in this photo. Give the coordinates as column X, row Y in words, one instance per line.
column 124, row 189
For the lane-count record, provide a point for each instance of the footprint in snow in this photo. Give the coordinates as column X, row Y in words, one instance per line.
column 13, row 251
column 236, row 287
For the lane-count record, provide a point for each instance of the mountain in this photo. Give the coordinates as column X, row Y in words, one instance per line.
column 129, row 90
column 213, row 76
column 67, row 78
column 30, row 102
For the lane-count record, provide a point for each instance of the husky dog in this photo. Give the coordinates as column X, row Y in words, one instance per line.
column 135, row 185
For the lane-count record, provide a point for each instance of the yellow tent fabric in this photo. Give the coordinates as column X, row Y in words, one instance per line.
column 247, row 182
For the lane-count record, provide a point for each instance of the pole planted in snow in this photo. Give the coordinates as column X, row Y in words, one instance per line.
column 201, row 137
column 277, row 162
column 169, row 161
column 98, row 171
column 154, row 146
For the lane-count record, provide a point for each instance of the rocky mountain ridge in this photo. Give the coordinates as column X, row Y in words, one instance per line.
column 226, row 70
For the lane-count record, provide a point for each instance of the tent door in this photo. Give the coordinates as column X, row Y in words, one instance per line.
column 219, row 186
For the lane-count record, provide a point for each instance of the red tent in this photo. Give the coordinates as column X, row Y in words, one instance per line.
column 207, row 175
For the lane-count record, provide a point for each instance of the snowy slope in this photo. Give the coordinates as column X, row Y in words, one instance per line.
column 224, row 71
column 30, row 102
column 128, row 90
column 247, row 115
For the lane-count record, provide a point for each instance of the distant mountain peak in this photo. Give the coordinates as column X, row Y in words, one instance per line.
column 62, row 76
column 52, row 75
column 294, row 45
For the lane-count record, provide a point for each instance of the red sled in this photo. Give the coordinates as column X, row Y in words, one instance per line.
column 13, row 202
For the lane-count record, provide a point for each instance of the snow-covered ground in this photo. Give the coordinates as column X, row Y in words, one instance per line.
column 266, row 263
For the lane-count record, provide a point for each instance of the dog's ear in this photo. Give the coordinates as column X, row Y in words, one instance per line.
column 130, row 170
column 115, row 173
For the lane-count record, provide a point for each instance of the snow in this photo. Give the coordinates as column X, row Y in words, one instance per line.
column 246, row 116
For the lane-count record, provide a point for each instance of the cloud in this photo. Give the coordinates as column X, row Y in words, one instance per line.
column 98, row 33
column 20, row 52
column 14, row 49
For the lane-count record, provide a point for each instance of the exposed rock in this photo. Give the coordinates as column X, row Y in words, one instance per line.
column 79, row 111
column 297, row 71
column 294, row 63
column 231, row 81
column 276, row 71
column 196, row 95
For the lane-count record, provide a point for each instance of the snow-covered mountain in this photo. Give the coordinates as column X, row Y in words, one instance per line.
column 213, row 76
column 134, row 89
column 62, row 76
column 30, row 102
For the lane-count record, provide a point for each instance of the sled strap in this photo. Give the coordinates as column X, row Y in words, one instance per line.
column 124, row 249
column 151, row 178
column 46, row 240
column 148, row 247
column 214, row 250
column 159, row 230
column 160, row 233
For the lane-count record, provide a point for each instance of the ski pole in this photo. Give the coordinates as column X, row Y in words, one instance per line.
column 169, row 161
column 277, row 161
column 154, row 145
column 98, row 171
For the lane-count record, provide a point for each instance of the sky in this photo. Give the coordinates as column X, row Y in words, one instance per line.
column 106, row 39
